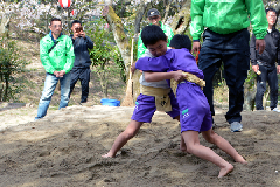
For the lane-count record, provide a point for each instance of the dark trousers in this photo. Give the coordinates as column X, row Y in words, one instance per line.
column 82, row 74
column 234, row 51
column 267, row 75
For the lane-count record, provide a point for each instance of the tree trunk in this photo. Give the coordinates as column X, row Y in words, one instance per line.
column 1, row 80
column 185, row 15
column 6, row 97
column 119, row 35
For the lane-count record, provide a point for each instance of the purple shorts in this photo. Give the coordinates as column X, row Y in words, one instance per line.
column 145, row 108
column 195, row 112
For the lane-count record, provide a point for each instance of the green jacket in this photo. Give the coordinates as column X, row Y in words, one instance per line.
column 141, row 47
column 227, row 16
column 61, row 57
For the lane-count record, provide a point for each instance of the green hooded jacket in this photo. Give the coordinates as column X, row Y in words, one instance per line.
column 227, row 16
column 141, row 46
column 61, row 57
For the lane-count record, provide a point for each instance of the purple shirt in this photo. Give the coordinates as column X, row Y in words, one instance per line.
column 174, row 59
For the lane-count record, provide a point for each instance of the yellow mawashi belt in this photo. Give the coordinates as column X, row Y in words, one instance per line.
column 190, row 78
column 162, row 99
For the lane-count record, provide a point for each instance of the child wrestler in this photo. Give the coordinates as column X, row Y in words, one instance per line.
column 195, row 115
column 154, row 96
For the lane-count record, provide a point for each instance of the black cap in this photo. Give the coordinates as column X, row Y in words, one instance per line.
column 153, row 12
column 270, row 10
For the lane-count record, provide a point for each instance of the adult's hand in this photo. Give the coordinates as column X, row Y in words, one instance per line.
column 56, row 73
column 255, row 68
column 62, row 73
column 75, row 35
column 260, row 45
column 83, row 34
column 196, row 47
column 278, row 69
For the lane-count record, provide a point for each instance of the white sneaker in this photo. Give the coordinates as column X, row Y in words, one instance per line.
column 276, row 110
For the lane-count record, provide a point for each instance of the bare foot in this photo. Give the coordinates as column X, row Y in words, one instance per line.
column 108, row 155
column 240, row 159
column 225, row 170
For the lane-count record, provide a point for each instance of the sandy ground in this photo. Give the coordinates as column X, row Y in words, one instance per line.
column 65, row 148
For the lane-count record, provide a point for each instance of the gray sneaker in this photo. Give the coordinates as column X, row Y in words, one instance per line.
column 236, row 127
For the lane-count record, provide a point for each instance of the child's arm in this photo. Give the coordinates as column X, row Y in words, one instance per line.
column 159, row 76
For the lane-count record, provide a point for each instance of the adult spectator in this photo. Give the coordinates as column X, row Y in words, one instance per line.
column 265, row 62
column 57, row 56
column 154, row 19
column 81, row 69
column 226, row 40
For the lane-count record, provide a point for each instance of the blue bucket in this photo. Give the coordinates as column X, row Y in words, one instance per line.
column 110, row 102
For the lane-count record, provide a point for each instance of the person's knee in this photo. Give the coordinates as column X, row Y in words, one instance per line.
column 46, row 96
column 190, row 149
column 130, row 133
column 210, row 137
column 65, row 95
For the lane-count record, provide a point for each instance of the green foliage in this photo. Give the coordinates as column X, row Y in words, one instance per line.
column 105, row 55
column 10, row 65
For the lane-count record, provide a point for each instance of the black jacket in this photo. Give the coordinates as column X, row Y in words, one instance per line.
column 81, row 48
column 271, row 53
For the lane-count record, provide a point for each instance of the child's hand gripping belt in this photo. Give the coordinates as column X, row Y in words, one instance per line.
column 189, row 78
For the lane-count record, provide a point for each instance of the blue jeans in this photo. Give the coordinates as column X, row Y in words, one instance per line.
column 49, row 87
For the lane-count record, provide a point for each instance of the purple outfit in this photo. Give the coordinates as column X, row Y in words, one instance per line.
column 145, row 108
column 195, row 112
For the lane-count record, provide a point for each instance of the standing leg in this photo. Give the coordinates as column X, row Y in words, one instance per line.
column 74, row 78
column 175, row 114
column 261, row 86
column 183, row 146
column 223, row 144
column 236, row 58
column 130, row 131
column 85, row 79
column 49, row 87
column 194, row 147
column 273, row 82
column 209, row 72
column 235, row 78
column 65, row 89
column 143, row 113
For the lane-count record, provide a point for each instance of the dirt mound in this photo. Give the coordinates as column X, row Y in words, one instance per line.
column 65, row 148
